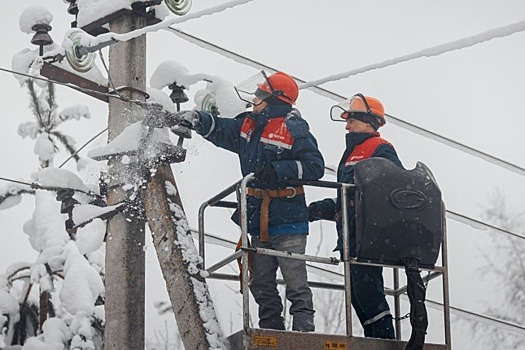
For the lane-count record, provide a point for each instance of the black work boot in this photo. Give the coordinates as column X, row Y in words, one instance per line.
column 272, row 323
column 303, row 322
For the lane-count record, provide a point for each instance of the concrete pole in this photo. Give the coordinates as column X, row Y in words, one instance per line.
column 125, row 262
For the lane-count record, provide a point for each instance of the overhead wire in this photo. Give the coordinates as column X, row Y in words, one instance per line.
column 480, row 224
column 339, row 98
column 313, row 85
column 330, row 274
column 458, row 44
column 109, row 38
column 455, row 216
column 38, row 186
column 428, row 52
column 83, row 146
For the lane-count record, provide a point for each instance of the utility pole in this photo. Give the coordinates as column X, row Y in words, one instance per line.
column 158, row 200
column 125, row 262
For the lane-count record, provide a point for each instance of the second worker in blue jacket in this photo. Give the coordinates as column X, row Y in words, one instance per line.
column 363, row 116
column 274, row 142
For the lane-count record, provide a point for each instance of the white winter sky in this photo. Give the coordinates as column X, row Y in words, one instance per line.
column 473, row 95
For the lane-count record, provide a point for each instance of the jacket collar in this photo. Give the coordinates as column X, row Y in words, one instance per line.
column 272, row 111
column 356, row 138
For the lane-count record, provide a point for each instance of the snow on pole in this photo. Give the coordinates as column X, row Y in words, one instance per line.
column 181, row 264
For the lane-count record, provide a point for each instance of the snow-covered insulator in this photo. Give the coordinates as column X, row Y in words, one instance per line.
column 68, row 202
column 209, row 105
column 73, row 8
column 178, row 95
column 70, row 224
column 178, row 7
column 81, row 62
column 41, row 37
column 67, row 205
column 65, row 193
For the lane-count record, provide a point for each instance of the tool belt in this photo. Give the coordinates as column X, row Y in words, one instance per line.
column 267, row 196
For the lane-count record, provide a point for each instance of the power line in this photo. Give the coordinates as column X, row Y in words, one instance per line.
column 457, row 145
column 495, row 322
column 110, row 38
column 83, row 146
column 37, row 186
column 337, row 97
column 479, row 224
column 428, row 52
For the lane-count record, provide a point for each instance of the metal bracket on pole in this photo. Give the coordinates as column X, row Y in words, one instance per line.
column 63, row 76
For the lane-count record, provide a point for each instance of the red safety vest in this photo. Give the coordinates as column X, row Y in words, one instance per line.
column 275, row 132
column 365, row 150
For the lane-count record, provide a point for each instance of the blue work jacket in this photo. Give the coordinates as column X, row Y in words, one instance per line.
column 277, row 136
column 359, row 146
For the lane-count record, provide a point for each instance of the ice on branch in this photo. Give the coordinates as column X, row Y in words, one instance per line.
column 73, row 112
column 22, row 62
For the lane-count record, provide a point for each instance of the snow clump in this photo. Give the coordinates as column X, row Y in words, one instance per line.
column 34, row 15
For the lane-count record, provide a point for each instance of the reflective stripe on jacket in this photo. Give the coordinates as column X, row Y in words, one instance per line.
column 277, row 136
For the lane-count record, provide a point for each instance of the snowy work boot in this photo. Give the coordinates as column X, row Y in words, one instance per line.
column 303, row 322
column 382, row 328
column 272, row 323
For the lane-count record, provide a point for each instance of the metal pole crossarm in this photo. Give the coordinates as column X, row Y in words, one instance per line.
column 85, row 85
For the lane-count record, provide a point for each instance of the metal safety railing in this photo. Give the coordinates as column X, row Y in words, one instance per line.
column 240, row 188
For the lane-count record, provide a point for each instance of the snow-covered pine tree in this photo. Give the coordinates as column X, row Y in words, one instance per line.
column 58, row 298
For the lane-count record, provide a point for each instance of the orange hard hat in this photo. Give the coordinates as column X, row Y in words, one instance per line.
column 282, row 86
column 365, row 108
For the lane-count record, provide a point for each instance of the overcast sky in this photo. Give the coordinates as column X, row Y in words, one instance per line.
column 473, row 95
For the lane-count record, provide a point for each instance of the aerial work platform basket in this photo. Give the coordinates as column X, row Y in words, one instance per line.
column 388, row 201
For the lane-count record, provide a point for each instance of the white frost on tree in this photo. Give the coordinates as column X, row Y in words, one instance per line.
column 68, row 270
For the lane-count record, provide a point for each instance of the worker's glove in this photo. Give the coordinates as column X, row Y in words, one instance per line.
column 266, row 174
column 189, row 119
column 314, row 211
column 322, row 210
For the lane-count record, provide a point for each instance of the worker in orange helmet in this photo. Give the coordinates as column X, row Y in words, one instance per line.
column 274, row 142
column 363, row 115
